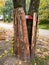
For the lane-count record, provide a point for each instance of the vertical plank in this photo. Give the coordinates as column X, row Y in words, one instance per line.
column 16, row 34
column 34, row 33
column 25, row 36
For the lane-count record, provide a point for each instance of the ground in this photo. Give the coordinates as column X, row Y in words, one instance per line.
column 6, row 49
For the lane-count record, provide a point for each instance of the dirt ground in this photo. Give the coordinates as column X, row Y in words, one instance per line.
column 6, row 50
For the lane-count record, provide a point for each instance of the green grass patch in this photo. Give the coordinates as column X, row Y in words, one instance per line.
column 43, row 26
column 40, row 61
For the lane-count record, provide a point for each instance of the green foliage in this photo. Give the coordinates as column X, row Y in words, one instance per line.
column 8, row 10
column 44, row 14
column 43, row 10
column 0, row 10
column 44, row 21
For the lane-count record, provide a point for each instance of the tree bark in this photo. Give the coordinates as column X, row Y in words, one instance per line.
column 18, row 3
column 21, row 44
column 34, row 33
column 34, row 5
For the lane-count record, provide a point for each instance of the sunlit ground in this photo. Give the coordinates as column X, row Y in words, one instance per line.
column 6, row 47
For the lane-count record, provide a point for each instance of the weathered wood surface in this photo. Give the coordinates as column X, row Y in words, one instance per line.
column 34, row 6
column 21, row 44
column 34, row 33
column 18, row 3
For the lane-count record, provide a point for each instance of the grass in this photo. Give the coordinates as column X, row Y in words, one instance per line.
column 43, row 26
column 40, row 61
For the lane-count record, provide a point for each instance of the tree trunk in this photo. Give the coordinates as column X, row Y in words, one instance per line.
column 34, row 5
column 18, row 3
column 33, row 10
column 34, row 33
column 21, row 44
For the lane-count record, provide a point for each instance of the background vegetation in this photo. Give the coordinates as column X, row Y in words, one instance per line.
column 7, row 12
column 44, row 14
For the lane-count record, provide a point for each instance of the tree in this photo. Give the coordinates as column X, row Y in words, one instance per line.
column 8, row 10
column 33, row 10
column 2, row 3
column 27, row 6
column 34, row 5
column 21, row 44
column 43, row 10
column 20, row 29
column 18, row 3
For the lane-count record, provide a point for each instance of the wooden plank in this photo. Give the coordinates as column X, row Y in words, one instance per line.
column 34, row 33
column 25, row 35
